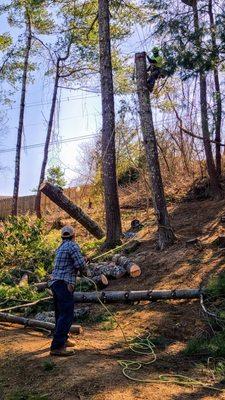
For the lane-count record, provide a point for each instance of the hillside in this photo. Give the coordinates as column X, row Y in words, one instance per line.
column 94, row 372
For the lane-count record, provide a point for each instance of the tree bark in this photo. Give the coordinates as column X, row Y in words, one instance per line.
column 130, row 267
column 165, row 233
column 111, row 271
column 112, row 210
column 21, row 120
column 215, row 189
column 47, row 142
column 127, row 297
column 56, row 195
column 33, row 323
column 218, row 99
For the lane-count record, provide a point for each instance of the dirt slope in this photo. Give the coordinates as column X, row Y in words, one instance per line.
column 94, row 372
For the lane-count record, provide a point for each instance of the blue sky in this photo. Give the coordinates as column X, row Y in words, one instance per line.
column 79, row 114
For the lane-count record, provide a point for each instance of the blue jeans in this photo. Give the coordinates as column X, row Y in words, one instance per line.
column 64, row 313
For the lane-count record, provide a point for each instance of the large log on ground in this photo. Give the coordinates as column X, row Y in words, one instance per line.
column 131, row 268
column 33, row 323
column 56, row 195
column 132, row 296
column 110, row 270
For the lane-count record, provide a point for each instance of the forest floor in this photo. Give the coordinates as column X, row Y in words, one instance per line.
column 94, row 373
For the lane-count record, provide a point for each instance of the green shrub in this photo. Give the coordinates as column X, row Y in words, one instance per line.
column 214, row 347
column 10, row 295
column 24, row 245
column 216, row 285
column 48, row 365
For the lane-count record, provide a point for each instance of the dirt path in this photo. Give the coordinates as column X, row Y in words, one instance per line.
column 94, row 372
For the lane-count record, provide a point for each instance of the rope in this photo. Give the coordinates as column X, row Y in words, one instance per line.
column 145, row 347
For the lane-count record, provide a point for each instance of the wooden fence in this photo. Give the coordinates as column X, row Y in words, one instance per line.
column 26, row 204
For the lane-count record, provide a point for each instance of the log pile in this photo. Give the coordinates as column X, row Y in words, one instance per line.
column 102, row 272
column 119, row 267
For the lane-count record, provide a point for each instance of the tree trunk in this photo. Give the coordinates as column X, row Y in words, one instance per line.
column 56, row 195
column 218, row 99
column 214, row 184
column 47, row 142
column 21, row 121
column 165, row 232
column 112, row 210
column 34, row 323
column 127, row 297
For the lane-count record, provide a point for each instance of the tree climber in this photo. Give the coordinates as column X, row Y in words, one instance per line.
column 155, row 68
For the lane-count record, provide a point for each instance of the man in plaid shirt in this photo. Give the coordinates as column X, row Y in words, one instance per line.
column 68, row 261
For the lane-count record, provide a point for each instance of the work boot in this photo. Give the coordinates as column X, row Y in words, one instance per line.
column 63, row 352
column 70, row 343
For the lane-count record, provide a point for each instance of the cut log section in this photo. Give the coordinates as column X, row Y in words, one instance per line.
column 133, row 296
column 100, row 281
column 33, row 323
column 131, row 268
column 111, row 271
column 55, row 194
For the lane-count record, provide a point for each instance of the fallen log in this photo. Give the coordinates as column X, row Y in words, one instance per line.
column 100, row 281
column 110, row 270
column 33, row 323
column 133, row 296
column 131, row 268
column 55, row 194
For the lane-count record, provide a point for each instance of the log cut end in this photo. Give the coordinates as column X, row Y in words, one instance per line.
column 134, row 270
column 77, row 329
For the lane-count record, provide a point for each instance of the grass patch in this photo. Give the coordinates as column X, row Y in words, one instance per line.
column 22, row 395
column 48, row 365
column 216, row 285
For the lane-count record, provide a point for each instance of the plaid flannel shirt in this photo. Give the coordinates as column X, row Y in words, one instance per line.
column 68, row 261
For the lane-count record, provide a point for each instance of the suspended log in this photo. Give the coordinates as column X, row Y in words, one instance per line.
column 33, row 323
column 133, row 296
column 131, row 268
column 55, row 194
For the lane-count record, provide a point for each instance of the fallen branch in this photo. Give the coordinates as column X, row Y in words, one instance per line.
column 133, row 296
column 56, row 194
column 25, row 305
column 33, row 323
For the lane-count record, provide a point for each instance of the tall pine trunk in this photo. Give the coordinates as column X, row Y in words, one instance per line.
column 218, row 99
column 165, row 233
column 112, row 210
column 21, row 121
column 47, row 142
column 214, row 184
